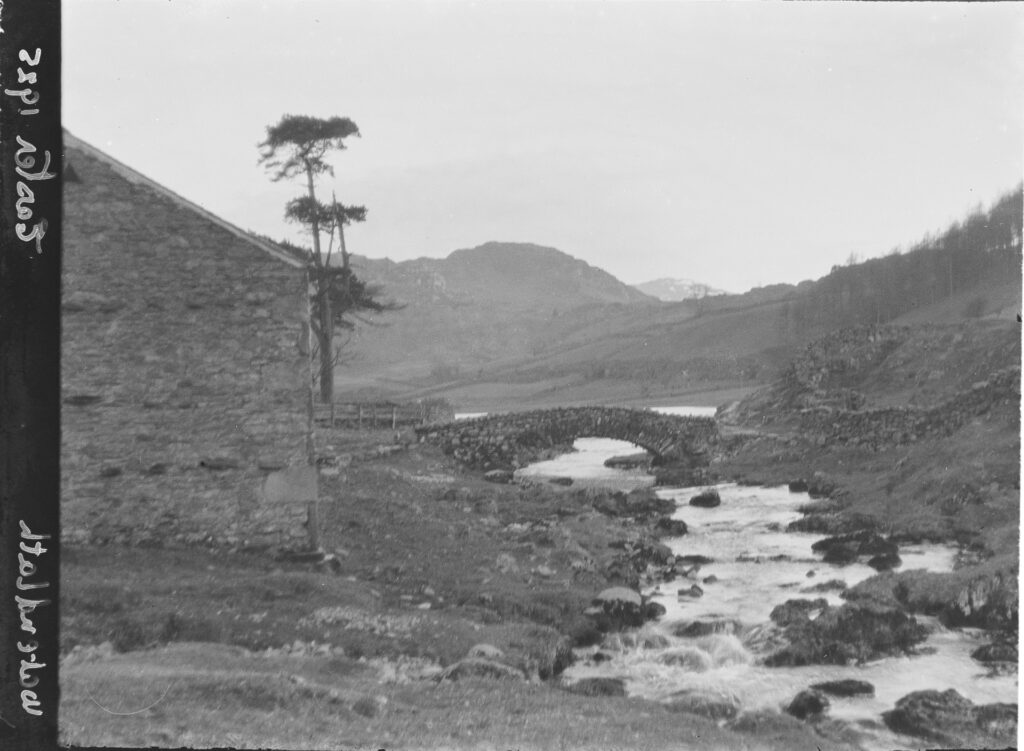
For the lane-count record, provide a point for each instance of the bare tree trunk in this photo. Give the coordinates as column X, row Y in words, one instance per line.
column 344, row 264
column 325, row 327
column 325, row 335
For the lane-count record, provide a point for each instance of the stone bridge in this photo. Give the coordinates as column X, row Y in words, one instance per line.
column 515, row 439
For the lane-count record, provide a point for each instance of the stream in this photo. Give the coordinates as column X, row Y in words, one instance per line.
column 755, row 566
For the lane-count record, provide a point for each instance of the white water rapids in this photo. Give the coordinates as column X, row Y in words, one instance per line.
column 756, row 565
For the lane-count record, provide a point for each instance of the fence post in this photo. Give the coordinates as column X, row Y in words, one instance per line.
column 360, row 408
column 394, row 417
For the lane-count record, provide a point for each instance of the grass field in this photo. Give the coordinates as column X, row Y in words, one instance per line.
column 197, row 648
column 192, row 694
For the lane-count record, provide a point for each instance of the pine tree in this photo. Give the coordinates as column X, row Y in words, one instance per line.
column 298, row 147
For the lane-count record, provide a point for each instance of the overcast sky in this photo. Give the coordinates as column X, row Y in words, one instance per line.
column 738, row 144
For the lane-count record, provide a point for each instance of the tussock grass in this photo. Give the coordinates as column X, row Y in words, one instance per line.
column 203, row 695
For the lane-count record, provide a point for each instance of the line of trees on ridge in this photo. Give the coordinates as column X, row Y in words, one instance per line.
column 983, row 249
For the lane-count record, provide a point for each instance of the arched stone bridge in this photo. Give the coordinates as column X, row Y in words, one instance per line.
column 515, row 439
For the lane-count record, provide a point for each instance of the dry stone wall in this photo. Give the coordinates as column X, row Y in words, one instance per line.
column 877, row 428
column 186, row 377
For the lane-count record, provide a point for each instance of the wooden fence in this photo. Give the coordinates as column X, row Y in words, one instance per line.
column 370, row 415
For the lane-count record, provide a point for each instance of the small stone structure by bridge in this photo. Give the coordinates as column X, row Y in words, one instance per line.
column 515, row 439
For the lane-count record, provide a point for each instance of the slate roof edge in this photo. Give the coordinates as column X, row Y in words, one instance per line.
column 138, row 178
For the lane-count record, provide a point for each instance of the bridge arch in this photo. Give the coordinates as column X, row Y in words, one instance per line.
column 514, row 439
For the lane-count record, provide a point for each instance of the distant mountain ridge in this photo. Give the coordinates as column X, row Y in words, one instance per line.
column 675, row 290
column 521, row 276
column 526, row 324
column 477, row 305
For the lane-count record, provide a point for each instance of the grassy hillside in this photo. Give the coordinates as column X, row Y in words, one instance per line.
column 956, row 476
column 621, row 351
column 476, row 306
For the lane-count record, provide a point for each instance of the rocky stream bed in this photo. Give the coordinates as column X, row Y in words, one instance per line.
column 744, row 603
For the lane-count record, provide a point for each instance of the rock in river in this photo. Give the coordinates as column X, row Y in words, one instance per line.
column 716, row 705
column 629, row 461
column 845, row 687
column 653, row 610
column 690, row 560
column 706, row 499
column 947, row 717
column 796, row 611
column 697, row 629
column 998, row 652
column 840, row 555
column 851, row 633
column 669, row 527
column 808, row 705
column 617, row 608
column 885, row 561
column 693, row 591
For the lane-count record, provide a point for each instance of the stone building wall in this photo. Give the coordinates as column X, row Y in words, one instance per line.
column 185, row 370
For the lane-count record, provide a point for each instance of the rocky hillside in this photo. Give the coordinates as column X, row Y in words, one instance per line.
column 512, row 276
column 477, row 305
column 872, row 368
column 919, row 424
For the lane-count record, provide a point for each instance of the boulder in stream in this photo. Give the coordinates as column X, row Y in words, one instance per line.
column 617, row 608
column 697, row 629
column 690, row 560
column 841, row 554
column 796, row 611
column 837, row 585
column 852, row 633
column 845, row 687
column 987, row 601
column 846, row 548
column 885, row 561
column 666, row 526
column 644, row 552
column 808, row 705
column 947, row 717
column 706, row 499
column 628, row 461
column 996, row 652
column 715, row 705
column 693, row 590
column 653, row 610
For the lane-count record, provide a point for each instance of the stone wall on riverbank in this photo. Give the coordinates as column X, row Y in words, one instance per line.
column 884, row 385
column 518, row 438
column 876, row 428
column 186, row 374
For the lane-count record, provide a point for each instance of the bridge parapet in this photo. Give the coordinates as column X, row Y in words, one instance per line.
column 515, row 439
